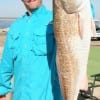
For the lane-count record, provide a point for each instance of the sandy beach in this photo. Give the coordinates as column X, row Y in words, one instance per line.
column 2, row 39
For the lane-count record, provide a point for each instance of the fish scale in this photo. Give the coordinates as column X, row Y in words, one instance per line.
column 72, row 46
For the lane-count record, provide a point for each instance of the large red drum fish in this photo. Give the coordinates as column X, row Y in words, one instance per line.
column 73, row 26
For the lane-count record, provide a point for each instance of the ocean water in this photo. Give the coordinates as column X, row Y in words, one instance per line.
column 5, row 23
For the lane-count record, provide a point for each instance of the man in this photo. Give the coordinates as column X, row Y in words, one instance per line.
column 29, row 56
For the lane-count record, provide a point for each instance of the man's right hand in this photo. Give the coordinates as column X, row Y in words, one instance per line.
column 3, row 98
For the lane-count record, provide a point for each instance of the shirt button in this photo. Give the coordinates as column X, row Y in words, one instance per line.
column 23, row 60
column 23, row 75
column 29, row 21
column 27, row 33
column 25, row 46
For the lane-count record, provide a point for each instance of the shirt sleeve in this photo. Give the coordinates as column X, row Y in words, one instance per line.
column 6, row 67
column 73, row 6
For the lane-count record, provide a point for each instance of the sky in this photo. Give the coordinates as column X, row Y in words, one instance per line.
column 15, row 8
column 97, row 8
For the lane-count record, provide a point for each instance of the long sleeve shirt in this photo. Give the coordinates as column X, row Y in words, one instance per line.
column 29, row 55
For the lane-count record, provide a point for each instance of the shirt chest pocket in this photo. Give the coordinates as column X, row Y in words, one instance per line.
column 43, row 43
column 15, row 45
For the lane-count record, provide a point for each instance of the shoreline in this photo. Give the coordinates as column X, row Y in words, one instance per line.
column 2, row 30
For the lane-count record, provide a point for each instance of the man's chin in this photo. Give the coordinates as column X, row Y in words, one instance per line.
column 33, row 8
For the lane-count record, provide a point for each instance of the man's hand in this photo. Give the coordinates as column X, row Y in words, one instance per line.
column 3, row 98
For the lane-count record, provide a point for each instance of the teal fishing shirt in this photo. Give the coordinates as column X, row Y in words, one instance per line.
column 29, row 56
column 92, row 8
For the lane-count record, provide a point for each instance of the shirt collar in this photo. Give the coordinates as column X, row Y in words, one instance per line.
column 38, row 11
